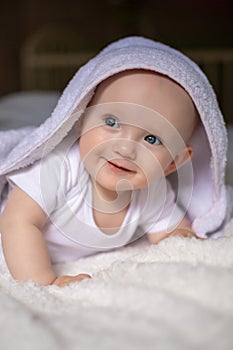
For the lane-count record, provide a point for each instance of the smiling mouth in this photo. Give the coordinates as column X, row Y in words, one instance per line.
column 118, row 167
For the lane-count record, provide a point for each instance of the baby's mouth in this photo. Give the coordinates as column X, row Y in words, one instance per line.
column 119, row 167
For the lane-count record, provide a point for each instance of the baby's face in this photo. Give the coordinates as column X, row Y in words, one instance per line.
column 134, row 129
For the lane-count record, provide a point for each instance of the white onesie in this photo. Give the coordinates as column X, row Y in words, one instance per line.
column 62, row 188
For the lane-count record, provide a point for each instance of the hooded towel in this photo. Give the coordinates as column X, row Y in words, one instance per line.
column 210, row 205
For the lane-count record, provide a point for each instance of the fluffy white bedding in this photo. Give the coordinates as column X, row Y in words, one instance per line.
column 177, row 295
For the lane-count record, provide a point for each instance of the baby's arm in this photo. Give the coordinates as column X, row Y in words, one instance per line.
column 183, row 229
column 23, row 244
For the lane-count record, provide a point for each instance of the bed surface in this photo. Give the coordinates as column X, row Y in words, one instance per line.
column 174, row 296
column 26, row 108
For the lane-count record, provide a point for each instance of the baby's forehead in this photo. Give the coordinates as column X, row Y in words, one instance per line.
column 146, row 88
column 139, row 79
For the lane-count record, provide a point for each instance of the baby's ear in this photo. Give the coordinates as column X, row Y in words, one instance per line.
column 181, row 158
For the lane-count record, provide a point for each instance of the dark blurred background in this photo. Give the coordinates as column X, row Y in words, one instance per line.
column 184, row 24
column 181, row 23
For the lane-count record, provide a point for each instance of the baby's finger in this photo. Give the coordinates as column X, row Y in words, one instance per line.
column 81, row 277
column 66, row 280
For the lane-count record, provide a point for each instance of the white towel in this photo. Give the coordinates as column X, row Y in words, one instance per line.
column 210, row 206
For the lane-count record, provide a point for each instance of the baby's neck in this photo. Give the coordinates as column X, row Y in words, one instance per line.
column 110, row 202
column 109, row 213
column 109, row 208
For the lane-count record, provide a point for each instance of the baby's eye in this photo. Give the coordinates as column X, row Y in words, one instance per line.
column 153, row 140
column 111, row 121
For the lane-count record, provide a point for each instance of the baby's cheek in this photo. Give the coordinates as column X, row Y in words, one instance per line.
column 151, row 167
column 155, row 175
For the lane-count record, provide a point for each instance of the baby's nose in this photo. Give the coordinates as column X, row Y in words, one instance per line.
column 125, row 148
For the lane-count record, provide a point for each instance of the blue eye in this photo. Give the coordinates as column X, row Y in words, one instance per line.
column 153, row 140
column 110, row 121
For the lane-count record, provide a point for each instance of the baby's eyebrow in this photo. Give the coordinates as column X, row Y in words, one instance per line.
column 113, row 115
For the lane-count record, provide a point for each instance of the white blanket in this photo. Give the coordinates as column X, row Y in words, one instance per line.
column 177, row 295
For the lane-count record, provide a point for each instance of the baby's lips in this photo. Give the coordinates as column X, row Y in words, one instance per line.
column 122, row 165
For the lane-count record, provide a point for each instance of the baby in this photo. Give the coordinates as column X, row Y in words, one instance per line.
column 105, row 184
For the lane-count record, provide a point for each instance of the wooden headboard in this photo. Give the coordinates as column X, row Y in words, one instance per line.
column 49, row 59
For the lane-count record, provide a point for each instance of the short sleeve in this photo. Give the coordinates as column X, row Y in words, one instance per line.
column 48, row 180
column 162, row 213
column 36, row 182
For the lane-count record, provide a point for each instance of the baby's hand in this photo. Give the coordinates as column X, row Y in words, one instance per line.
column 65, row 280
column 182, row 231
